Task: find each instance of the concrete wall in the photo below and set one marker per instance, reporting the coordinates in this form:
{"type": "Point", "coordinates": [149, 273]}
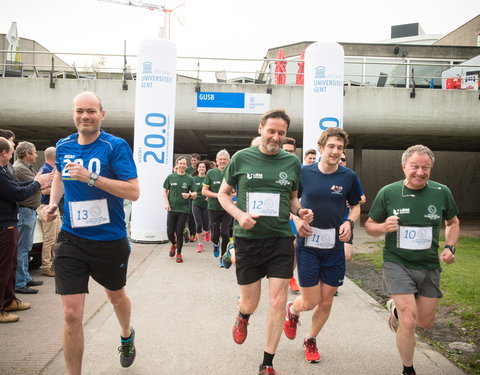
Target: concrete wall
{"type": "Point", "coordinates": [465, 35]}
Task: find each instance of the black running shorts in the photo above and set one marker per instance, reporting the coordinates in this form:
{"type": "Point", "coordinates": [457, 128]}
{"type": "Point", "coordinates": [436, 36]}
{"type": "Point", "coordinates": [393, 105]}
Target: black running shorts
{"type": "Point", "coordinates": [76, 259]}
{"type": "Point", "coordinates": [257, 258]}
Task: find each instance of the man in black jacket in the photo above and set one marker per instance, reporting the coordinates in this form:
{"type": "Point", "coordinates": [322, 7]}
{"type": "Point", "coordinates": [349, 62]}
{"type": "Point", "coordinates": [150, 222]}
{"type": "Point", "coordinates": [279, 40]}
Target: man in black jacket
{"type": "Point", "coordinates": [10, 193]}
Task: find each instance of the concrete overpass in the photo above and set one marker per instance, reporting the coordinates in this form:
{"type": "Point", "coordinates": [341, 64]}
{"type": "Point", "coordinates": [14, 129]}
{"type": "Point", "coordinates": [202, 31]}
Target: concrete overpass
{"type": "Point", "coordinates": [376, 118]}
{"type": "Point", "coordinates": [381, 122]}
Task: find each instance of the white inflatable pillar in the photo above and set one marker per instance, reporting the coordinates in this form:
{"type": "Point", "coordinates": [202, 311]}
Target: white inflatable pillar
{"type": "Point", "coordinates": [323, 91]}
{"type": "Point", "coordinates": [153, 139]}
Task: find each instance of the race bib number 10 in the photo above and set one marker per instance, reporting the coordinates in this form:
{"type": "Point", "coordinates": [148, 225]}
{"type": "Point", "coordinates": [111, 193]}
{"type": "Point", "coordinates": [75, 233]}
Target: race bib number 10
{"type": "Point", "coordinates": [414, 238]}
{"type": "Point", "coordinates": [89, 213]}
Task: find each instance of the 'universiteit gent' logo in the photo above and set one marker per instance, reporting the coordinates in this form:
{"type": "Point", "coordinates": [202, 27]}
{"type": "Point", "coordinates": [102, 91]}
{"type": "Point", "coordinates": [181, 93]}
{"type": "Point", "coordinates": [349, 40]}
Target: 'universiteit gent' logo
{"type": "Point", "coordinates": [320, 72]}
{"type": "Point", "coordinates": [147, 67]}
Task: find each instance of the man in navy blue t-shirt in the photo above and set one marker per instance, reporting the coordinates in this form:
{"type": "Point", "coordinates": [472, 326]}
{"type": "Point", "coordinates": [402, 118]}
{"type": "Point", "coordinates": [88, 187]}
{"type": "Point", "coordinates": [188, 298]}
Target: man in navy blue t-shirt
{"type": "Point", "coordinates": [326, 188]}
{"type": "Point", "coordinates": [95, 171]}
{"type": "Point", "coordinates": [50, 228]}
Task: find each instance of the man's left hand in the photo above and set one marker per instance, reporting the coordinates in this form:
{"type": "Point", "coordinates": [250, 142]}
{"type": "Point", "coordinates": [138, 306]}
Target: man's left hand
{"type": "Point", "coordinates": [345, 232]}
{"type": "Point", "coordinates": [78, 172]}
{"type": "Point", "coordinates": [447, 256]}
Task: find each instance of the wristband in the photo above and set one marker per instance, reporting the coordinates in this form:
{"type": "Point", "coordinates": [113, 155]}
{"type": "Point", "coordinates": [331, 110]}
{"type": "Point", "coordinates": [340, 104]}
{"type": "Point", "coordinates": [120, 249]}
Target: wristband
{"type": "Point", "coordinates": [298, 209]}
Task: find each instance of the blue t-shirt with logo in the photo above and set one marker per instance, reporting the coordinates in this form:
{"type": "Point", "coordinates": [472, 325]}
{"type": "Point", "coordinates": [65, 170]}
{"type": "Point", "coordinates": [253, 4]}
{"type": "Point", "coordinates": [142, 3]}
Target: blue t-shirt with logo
{"type": "Point", "coordinates": [326, 195]}
{"type": "Point", "coordinates": [110, 157]}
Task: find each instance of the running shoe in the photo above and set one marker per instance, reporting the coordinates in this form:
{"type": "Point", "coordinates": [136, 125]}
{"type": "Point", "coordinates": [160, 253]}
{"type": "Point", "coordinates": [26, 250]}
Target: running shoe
{"type": "Point", "coordinates": [227, 257]}
{"type": "Point", "coordinates": [207, 236]}
{"type": "Point", "coordinates": [127, 350]}
{"type": "Point", "coordinates": [392, 319]}
{"type": "Point", "coordinates": [186, 238]}
{"type": "Point", "coordinates": [294, 286]}
{"type": "Point", "coordinates": [239, 330]}
{"type": "Point", "coordinates": [172, 251]}
{"type": "Point", "coordinates": [311, 352]}
{"type": "Point", "coordinates": [200, 248]}
{"type": "Point", "coordinates": [179, 258]}
{"type": "Point", "coordinates": [266, 370]}
{"type": "Point", "coordinates": [192, 238]}
{"type": "Point", "coordinates": [291, 322]}
{"type": "Point", "coordinates": [220, 263]}
{"type": "Point", "coordinates": [216, 250]}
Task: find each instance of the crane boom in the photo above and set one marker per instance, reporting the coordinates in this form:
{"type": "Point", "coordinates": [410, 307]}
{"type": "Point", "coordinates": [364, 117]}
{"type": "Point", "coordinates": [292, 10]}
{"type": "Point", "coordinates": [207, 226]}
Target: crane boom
{"type": "Point", "coordinates": [140, 4]}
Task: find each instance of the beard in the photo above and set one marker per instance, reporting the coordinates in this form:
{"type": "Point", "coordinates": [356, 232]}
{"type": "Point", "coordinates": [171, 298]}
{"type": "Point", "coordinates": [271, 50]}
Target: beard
{"type": "Point", "coordinates": [272, 146]}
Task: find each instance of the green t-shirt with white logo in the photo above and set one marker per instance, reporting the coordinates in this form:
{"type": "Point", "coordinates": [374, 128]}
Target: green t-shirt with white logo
{"type": "Point", "coordinates": [176, 185]}
{"type": "Point", "coordinates": [200, 201]}
{"type": "Point", "coordinates": [264, 183]}
{"type": "Point", "coordinates": [421, 213]}
{"type": "Point", "coordinates": [213, 180]}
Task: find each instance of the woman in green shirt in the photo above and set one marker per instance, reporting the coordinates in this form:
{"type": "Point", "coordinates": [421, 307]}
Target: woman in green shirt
{"type": "Point", "coordinates": [178, 188]}
{"type": "Point", "coordinates": [199, 206]}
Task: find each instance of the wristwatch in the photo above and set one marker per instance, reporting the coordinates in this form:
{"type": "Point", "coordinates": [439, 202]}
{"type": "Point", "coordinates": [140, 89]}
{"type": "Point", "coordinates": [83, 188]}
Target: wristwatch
{"type": "Point", "coordinates": [453, 249]}
{"type": "Point", "coordinates": [351, 223]}
{"type": "Point", "coordinates": [93, 178]}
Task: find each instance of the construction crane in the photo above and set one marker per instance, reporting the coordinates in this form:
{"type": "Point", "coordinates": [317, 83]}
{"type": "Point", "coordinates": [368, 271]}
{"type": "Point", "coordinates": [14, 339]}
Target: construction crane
{"type": "Point", "coordinates": [165, 31]}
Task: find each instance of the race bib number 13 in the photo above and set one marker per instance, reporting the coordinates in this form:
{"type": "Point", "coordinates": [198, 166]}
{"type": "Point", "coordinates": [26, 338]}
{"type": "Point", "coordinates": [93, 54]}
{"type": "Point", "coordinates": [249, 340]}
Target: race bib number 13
{"type": "Point", "coordinates": [89, 213]}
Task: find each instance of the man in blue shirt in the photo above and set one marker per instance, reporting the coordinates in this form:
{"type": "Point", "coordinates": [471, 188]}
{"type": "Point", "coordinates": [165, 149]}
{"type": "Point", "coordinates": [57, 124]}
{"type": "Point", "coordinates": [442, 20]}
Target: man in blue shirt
{"type": "Point", "coordinates": [95, 171]}
{"type": "Point", "coordinates": [326, 188]}
{"type": "Point", "coordinates": [50, 229]}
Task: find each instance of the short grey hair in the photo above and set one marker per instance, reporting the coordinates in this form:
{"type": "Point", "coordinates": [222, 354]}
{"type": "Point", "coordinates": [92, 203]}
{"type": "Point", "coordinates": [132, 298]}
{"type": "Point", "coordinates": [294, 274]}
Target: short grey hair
{"type": "Point", "coordinates": [417, 149]}
{"type": "Point", "coordinates": [24, 148]}
{"type": "Point", "coordinates": [50, 153]}
{"type": "Point", "coordinates": [223, 153]}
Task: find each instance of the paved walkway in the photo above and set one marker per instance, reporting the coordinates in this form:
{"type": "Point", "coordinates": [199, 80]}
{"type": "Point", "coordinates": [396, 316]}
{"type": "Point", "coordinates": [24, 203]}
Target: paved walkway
{"type": "Point", "coordinates": [183, 314]}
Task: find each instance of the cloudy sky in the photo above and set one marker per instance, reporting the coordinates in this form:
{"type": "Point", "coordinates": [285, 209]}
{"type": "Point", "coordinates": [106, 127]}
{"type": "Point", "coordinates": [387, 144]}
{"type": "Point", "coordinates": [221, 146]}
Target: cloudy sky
{"type": "Point", "coordinates": [225, 28]}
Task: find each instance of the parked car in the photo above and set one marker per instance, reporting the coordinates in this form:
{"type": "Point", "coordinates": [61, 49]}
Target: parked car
{"type": "Point", "coordinates": [35, 254]}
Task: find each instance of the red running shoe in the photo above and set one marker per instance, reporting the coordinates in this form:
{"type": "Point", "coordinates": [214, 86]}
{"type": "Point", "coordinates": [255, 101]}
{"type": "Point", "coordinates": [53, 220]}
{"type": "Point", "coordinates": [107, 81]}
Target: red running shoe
{"type": "Point", "coordinates": [207, 236]}
{"type": "Point", "coordinates": [179, 258]}
{"type": "Point", "coordinates": [239, 330]}
{"type": "Point", "coordinates": [266, 370]}
{"type": "Point", "coordinates": [291, 322]}
{"type": "Point", "coordinates": [294, 286]}
{"type": "Point", "coordinates": [311, 352]}
{"type": "Point", "coordinates": [171, 253]}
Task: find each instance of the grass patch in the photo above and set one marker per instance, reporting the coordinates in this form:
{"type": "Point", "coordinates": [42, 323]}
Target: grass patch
{"type": "Point", "coordinates": [460, 281]}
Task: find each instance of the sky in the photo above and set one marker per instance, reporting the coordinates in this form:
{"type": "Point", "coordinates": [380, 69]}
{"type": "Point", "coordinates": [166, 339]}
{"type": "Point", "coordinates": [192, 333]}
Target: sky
{"type": "Point", "coordinates": [224, 28]}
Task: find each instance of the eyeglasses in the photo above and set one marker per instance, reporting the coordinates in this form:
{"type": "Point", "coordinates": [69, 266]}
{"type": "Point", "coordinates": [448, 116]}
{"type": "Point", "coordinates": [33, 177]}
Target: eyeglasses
{"type": "Point", "coordinates": [343, 159]}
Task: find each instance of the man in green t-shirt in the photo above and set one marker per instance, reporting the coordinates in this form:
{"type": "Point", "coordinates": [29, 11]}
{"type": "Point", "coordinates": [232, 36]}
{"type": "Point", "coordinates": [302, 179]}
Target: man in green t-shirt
{"type": "Point", "coordinates": [410, 213]}
{"type": "Point", "coordinates": [220, 220]}
{"type": "Point", "coordinates": [266, 179]}
{"type": "Point", "coordinates": [178, 190]}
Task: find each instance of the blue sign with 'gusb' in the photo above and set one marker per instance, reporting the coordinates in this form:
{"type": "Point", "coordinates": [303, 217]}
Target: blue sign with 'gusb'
{"type": "Point", "coordinates": [220, 100]}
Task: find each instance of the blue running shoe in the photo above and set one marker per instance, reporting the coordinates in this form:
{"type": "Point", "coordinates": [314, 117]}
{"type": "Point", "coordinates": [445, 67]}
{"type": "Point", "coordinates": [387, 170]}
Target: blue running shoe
{"type": "Point", "coordinates": [216, 250]}
{"type": "Point", "coordinates": [227, 257]}
{"type": "Point", "coordinates": [220, 263]}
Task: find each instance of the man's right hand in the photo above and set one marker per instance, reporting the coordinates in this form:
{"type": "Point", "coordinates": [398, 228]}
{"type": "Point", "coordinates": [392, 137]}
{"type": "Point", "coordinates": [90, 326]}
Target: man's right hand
{"type": "Point", "coordinates": [246, 221]}
{"type": "Point", "coordinates": [45, 180]}
{"type": "Point", "coordinates": [49, 213]}
{"type": "Point", "coordinates": [391, 224]}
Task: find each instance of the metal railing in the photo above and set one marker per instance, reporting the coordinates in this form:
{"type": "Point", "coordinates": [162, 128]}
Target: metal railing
{"type": "Point", "coordinates": [214, 69]}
